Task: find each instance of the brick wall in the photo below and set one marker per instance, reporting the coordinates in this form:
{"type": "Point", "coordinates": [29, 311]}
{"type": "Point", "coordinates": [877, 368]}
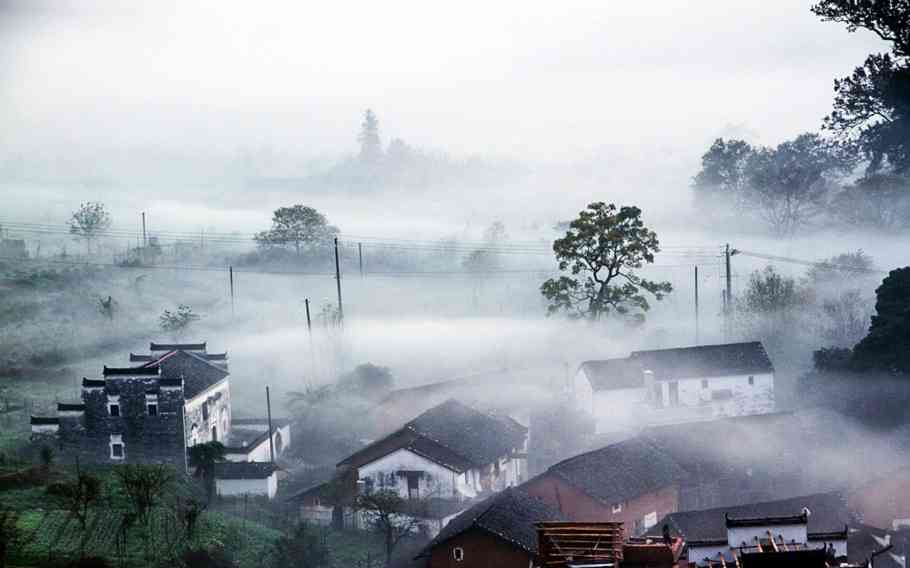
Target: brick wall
{"type": "Point", "coordinates": [147, 439]}
{"type": "Point", "coordinates": [481, 550]}
{"type": "Point", "coordinates": [579, 506]}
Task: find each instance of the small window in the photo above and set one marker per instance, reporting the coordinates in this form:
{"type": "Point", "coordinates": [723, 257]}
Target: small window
{"type": "Point", "coordinates": [751, 380]}
{"type": "Point", "coordinates": [458, 554]}
{"type": "Point", "coordinates": [113, 409]}
{"type": "Point", "coordinates": [205, 411]}
{"type": "Point", "coordinates": [704, 383]}
{"type": "Point", "coordinates": [153, 408]}
{"type": "Point", "coordinates": [617, 508]}
{"type": "Point", "coordinates": [118, 449]}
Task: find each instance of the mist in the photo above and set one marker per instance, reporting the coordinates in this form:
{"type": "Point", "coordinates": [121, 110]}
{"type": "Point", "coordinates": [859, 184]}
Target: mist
{"type": "Point", "coordinates": [193, 126]}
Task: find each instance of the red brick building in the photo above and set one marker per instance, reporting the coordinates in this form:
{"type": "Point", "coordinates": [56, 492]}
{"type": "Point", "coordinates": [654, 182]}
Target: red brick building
{"type": "Point", "coordinates": [633, 482]}
{"type": "Point", "coordinates": [498, 532]}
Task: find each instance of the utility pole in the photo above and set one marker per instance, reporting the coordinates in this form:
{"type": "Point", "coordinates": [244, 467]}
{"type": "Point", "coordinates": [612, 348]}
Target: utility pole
{"type": "Point", "coordinates": [268, 406]}
{"type": "Point", "coordinates": [309, 323]}
{"type": "Point", "coordinates": [696, 305]}
{"type": "Point", "coordinates": [728, 302]}
{"type": "Point", "coordinates": [144, 237]}
{"type": "Point", "coordinates": [231, 278]}
{"type": "Point", "coordinates": [360, 257]}
{"type": "Point", "coordinates": [338, 283]}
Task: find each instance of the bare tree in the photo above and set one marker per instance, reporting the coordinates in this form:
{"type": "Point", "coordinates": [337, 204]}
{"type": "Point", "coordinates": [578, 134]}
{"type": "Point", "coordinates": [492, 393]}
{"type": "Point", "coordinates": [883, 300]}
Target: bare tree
{"type": "Point", "coordinates": [391, 516]}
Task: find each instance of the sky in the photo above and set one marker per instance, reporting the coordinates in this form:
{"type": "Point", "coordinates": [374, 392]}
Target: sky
{"type": "Point", "coordinates": [531, 80]}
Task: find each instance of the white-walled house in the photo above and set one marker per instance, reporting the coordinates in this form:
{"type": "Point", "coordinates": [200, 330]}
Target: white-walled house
{"type": "Point", "coordinates": [817, 521]}
{"type": "Point", "coordinates": [233, 479]}
{"type": "Point", "coordinates": [668, 386]}
{"type": "Point", "coordinates": [445, 457]}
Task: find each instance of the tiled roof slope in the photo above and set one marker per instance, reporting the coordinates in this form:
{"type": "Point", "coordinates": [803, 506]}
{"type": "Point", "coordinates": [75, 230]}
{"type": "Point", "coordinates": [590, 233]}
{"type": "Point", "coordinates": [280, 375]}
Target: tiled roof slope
{"type": "Point", "coordinates": [509, 515]}
{"type": "Point", "coordinates": [198, 374]}
{"type": "Point", "coordinates": [479, 437]}
{"type": "Point", "coordinates": [611, 374]}
{"type": "Point", "coordinates": [620, 471]}
{"type": "Point", "coordinates": [828, 513]}
{"type": "Point", "coordinates": [706, 360]}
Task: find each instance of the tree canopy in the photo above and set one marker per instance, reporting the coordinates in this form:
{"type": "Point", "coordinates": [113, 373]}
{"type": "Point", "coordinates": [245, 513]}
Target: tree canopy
{"type": "Point", "coordinates": [887, 345]}
{"type": "Point", "coordinates": [601, 250]}
{"type": "Point", "coordinates": [90, 221]}
{"type": "Point", "coordinates": [370, 142]}
{"type": "Point", "coordinates": [299, 226]}
{"type": "Point", "coordinates": [885, 18]}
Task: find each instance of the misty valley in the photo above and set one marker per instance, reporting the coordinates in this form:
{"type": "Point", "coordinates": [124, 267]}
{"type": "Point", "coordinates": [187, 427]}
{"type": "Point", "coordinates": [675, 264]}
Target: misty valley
{"type": "Point", "coordinates": [397, 286]}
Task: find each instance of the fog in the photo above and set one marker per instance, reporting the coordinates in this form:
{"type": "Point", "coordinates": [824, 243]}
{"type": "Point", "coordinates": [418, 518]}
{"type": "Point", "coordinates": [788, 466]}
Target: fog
{"type": "Point", "coordinates": [207, 117]}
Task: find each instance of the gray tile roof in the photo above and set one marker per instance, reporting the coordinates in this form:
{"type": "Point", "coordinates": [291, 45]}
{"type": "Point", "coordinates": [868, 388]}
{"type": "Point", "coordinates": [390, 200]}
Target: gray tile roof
{"type": "Point", "coordinates": [611, 374]}
{"type": "Point", "coordinates": [828, 513]}
{"type": "Point", "coordinates": [705, 360]}
{"type": "Point", "coordinates": [477, 436]}
{"type": "Point", "coordinates": [621, 471]}
{"type": "Point", "coordinates": [509, 515]}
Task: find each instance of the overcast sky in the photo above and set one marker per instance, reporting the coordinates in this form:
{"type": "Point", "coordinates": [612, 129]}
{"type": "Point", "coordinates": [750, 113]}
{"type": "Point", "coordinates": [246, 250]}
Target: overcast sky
{"type": "Point", "coordinates": [541, 80]}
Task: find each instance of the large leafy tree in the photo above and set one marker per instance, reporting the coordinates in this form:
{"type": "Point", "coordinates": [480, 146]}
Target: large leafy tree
{"type": "Point", "coordinates": [887, 345]}
{"type": "Point", "coordinates": [789, 184]}
{"type": "Point", "coordinates": [298, 226]}
{"type": "Point", "coordinates": [885, 18]}
{"type": "Point", "coordinates": [872, 112]}
{"type": "Point", "coordinates": [723, 170]}
{"type": "Point", "coordinates": [602, 250]}
{"type": "Point", "coordinates": [203, 458]}
{"type": "Point", "coordinates": [89, 222]}
{"type": "Point", "coordinates": [875, 201]}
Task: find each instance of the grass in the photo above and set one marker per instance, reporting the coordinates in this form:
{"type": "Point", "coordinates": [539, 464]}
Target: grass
{"type": "Point", "coordinates": [49, 533]}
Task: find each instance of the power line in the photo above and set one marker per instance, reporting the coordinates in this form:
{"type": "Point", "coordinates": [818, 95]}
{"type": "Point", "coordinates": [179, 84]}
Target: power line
{"type": "Point", "coordinates": [812, 263]}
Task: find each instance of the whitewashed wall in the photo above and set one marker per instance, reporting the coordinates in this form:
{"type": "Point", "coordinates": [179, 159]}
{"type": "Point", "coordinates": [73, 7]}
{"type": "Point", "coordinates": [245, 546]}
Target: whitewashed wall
{"type": "Point", "coordinates": [233, 487]}
{"type": "Point", "coordinates": [438, 481]}
{"type": "Point", "coordinates": [620, 409]}
{"type": "Point", "coordinates": [262, 452]}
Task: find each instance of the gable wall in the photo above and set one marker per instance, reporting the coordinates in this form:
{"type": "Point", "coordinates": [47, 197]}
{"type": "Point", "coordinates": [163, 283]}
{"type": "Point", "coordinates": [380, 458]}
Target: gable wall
{"type": "Point", "coordinates": [481, 550]}
{"type": "Point", "coordinates": [438, 481]}
{"type": "Point", "coordinates": [579, 506]}
{"type": "Point", "coordinates": [218, 401]}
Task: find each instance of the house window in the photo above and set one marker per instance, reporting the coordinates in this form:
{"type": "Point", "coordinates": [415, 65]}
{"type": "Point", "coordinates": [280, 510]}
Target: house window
{"type": "Point", "coordinates": [151, 404]}
{"type": "Point", "coordinates": [458, 554]}
{"type": "Point", "coordinates": [118, 449]}
{"type": "Point", "coordinates": [751, 380]}
{"type": "Point", "coordinates": [704, 383]}
{"type": "Point", "coordinates": [413, 484]}
{"type": "Point", "coordinates": [113, 405]}
{"type": "Point", "coordinates": [617, 508]}
{"type": "Point", "coordinates": [205, 411]}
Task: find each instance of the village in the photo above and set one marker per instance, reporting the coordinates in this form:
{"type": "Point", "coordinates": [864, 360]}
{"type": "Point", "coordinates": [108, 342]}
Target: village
{"type": "Point", "coordinates": [687, 464]}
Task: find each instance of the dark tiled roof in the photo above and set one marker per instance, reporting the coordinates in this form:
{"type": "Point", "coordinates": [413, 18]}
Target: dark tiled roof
{"type": "Point", "coordinates": [70, 407]}
{"type": "Point", "coordinates": [620, 471]}
{"type": "Point", "coordinates": [244, 470]}
{"type": "Point", "coordinates": [170, 382]}
{"type": "Point", "coordinates": [828, 513]}
{"type": "Point", "coordinates": [134, 358]}
{"type": "Point", "coordinates": [92, 383]}
{"type": "Point", "coordinates": [705, 360]}
{"type": "Point", "coordinates": [509, 515]}
{"type": "Point", "coordinates": [44, 420]}
{"type": "Point", "coordinates": [440, 454]}
{"type": "Point", "coordinates": [477, 436]}
{"type": "Point", "coordinates": [610, 374]}
{"type": "Point", "coordinates": [197, 373]}
{"type": "Point", "coordinates": [144, 371]}
{"type": "Point", "coordinates": [177, 346]}
{"type": "Point", "coordinates": [770, 521]}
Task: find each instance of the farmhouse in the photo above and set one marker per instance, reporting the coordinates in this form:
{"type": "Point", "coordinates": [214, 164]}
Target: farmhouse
{"type": "Point", "coordinates": [176, 397]}
{"type": "Point", "coordinates": [497, 532]}
{"type": "Point", "coordinates": [812, 522]}
{"type": "Point", "coordinates": [246, 478]}
{"type": "Point", "coordinates": [446, 456]}
{"type": "Point", "coordinates": [633, 482]}
{"type": "Point", "coordinates": [672, 386]}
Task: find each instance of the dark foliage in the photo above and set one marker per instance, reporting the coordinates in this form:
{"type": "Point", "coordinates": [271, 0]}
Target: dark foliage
{"type": "Point", "coordinates": [886, 18]}
{"type": "Point", "coordinates": [887, 346]}
{"type": "Point", "coordinates": [207, 558]}
{"type": "Point", "coordinates": [303, 547]}
{"type": "Point", "coordinates": [601, 250]}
